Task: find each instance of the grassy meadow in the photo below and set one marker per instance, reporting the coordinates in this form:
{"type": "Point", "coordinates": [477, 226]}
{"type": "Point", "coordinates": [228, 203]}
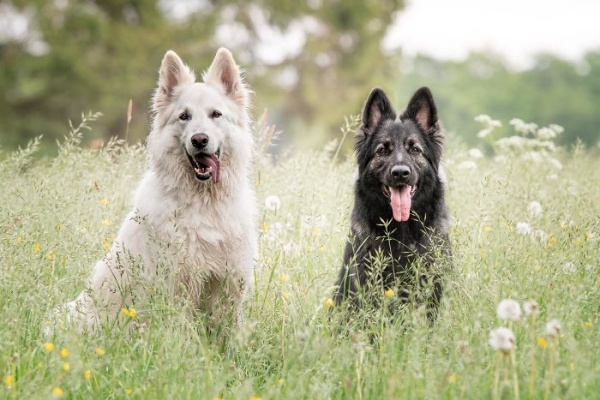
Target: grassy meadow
{"type": "Point", "coordinates": [526, 227]}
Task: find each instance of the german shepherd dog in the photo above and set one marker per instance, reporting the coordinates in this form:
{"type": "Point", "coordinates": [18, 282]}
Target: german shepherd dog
{"type": "Point", "coordinates": [399, 224]}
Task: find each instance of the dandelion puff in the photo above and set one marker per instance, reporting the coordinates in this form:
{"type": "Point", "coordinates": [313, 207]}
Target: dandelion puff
{"type": "Point", "coordinates": [502, 339]}
{"type": "Point", "coordinates": [509, 310]}
{"type": "Point", "coordinates": [553, 328]}
{"type": "Point", "coordinates": [272, 203]}
{"type": "Point", "coordinates": [531, 308]}
{"type": "Point", "coordinates": [523, 228]}
{"type": "Point", "coordinates": [534, 209]}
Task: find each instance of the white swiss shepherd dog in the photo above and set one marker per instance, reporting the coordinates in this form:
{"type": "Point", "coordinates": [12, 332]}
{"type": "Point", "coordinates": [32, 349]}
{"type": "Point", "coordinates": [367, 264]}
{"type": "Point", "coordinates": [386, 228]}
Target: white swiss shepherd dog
{"type": "Point", "coordinates": [193, 224]}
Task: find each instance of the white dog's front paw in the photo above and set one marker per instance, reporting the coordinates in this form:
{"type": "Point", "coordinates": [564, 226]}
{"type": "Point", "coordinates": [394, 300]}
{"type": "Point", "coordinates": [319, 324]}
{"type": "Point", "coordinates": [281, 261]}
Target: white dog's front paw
{"type": "Point", "coordinates": [72, 315]}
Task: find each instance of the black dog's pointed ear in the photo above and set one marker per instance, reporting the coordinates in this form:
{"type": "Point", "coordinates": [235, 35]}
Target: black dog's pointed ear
{"type": "Point", "coordinates": [376, 108]}
{"type": "Point", "coordinates": [421, 109]}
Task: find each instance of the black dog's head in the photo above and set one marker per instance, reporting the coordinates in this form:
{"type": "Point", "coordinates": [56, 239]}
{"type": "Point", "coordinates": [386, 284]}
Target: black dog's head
{"type": "Point", "coordinates": [398, 158]}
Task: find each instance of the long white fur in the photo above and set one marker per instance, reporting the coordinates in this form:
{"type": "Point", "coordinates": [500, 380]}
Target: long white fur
{"type": "Point", "coordinates": [197, 237]}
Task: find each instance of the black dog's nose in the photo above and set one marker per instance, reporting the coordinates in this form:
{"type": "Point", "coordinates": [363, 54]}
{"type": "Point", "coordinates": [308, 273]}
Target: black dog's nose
{"type": "Point", "coordinates": [400, 172]}
{"type": "Point", "coordinates": [199, 140]}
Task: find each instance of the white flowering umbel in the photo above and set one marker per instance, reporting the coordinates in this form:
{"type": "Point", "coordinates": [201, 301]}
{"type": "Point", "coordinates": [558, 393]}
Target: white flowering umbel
{"type": "Point", "coordinates": [489, 125]}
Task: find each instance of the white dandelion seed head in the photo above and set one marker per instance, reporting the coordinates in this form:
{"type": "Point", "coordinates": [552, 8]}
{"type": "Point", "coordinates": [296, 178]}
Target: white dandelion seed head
{"type": "Point", "coordinates": [475, 153]}
{"type": "Point", "coordinates": [540, 236]}
{"type": "Point", "coordinates": [531, 308]}
{"type": "Point", "coordinates": [553, 328]}
{"type": "Point", "coordinates": [509, 310]}
{"type": "Point", "coordinates": [534, 208]}
{"type": "Point", "coordinates": [272, 203]}
{"type": "Point", "coordinates": [523, 228]}
{"type": "Point", "coordinates": [502, 339]}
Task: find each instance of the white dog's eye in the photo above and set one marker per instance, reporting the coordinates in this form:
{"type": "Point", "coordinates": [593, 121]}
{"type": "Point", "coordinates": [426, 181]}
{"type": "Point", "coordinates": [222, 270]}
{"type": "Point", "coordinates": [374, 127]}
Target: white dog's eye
{"type": "Point", "coordinates": [215, 114]}
{"type": "Point", "coordinates": [184, 116]}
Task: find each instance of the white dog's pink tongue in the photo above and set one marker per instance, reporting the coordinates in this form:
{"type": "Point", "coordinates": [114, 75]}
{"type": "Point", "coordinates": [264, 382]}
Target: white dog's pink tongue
{"type": "Point", "coordinates": [400, 201]}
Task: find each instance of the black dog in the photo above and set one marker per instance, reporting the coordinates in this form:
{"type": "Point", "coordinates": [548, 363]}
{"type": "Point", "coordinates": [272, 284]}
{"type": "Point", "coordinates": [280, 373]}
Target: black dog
{"type": "Point", "coordinates": [399, 228]}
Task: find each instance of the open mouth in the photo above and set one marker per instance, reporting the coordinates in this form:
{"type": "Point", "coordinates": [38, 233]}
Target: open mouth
{"type": "Point", "coordinates": [206, 166]}
{"type": "Point", "coordinates": [400, 200]}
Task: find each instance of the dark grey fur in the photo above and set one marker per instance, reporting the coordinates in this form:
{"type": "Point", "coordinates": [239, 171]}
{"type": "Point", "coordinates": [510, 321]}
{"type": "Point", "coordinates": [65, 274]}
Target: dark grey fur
{"type": "Point", "coordinates": [382, 253]}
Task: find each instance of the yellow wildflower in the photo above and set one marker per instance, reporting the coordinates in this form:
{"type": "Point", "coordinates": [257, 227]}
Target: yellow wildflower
{"type": "Point", "coordinates": [323, 249]}
{"type": "Point", "coordinates": [50, 255]}
{"type": "Point", "coordinates": [128, 391]}
{"type": "Point", "coordinates": [284, 278]}
{"type": "Point", "coordinates": [329, 303]}
{"type": "Point", "coordinates": [280, 382]}
{"type": "Point", "coordinates": [20, 239]}
{"type": "Point", "coordinates": [285, 295]}
{"type": "Point", "coordinates": [100, 351]}
{"type": "Point", "coordinates": [106, 222]}
{"type": "Point", "coordinates": [64, 352]}
{"type": "Point", "coordinates": [87, 375]}
{"type": "Point", "coordinates": [106, 243]}
{"type": "Point", "coordinates": [588, 324]}
{"type": "Point", "coordinates": [66, 366]}
{"type": "Point", "coordinates": [103, 202]}
{"type": "Point", "coordinates": [487, 228]}
{"type": "Point", "coordinates": [49, 347]}
{"type": "Point", "coordinates": [452, 378]}
{"type": "Point", "coordinates": [36, 248]}
{"type": "Point", "coordinates": [542, 342]}
{"type": "Point", "coordinates": [255, 398]}
{"type": "Point", "coordinates": [265, 226]}
{"type": "Point", "coordinates": [9, 380]}
{"type": "Point", "coordinates": [130, 312]}
{"type": "Point", "coordinates": [389, 293]}
{"type": "Point", "coordinates": [58, 392]}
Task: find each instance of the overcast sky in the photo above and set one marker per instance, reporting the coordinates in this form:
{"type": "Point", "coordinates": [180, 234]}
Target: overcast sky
{"type": "Point", "coordinates": [449, 29]}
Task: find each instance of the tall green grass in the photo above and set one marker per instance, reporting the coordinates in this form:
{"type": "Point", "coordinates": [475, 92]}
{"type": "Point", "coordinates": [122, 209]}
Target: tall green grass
{"type": "Point", "coordinates": [59, 215]}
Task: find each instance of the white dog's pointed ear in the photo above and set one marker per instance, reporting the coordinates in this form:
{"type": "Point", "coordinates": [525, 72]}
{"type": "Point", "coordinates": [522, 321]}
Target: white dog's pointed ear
{"type": "Point", "coordinates": [224, 72]}
{"type": "Point", "coordinates": [173, 72]}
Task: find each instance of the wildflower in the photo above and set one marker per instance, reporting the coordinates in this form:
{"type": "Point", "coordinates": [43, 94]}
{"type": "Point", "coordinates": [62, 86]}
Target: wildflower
{"type": "Point", "coordinates": [509, 310]}
{"type": "Point", "coordinates": [130, 312]}
{"type": "Point", "coordinates": [272, 203]}
{"type": "Point", "coordinates": [284, 278]}
{"type": "Point", "coordinates": [87, 375]}
{"type": "Point", "coordinates": [103, 202]}
{"type": "Point", "coordinates": [49, 347]}
{"type": "Point", "coordinates": [128, 391]}
{"type": "Point", "coordinates": [20, 239]}
{"type": "Point", "coordinates": [487, 228]}
{"type": "Point", "coordinates": [389, 293]}
{"type": "Point", "coordinates": [58, 392]}
{"type": "Point", "coordinates": [555, 163]}
{"type": "Point", "coordinates": [531, 308]}
{"type": "Point", "coordinates": [285, 295]}
{"type": "Point", "coordinates": [523, 228]}
{"type": "Point", "coordinates": [543, 343]}
{"type": "Point", "coordinates": [66, 366]}
{"type": "Point", "coordinates": [534, 209]}
{"type": "Point", "coordinates": [280, 382]}
{"type": "Point", "coordinates": [569, 268]}
{"type": "Point", "coordinates": [502, 339]}
{"type": "Point", "coordinates": [106, 222]}
{"type": "Point", "coordinates": [106, 243]}
{"type": "Point", "coordinates": [100, 351]}
{"type": "Point", "coordinates": [588, 324]}
{"type": "Point", "coordinates": [9, 380]}
{"type": "Point", "coordinates": [465, 165]}
{"type": "Point", "coordinates": [50, 255]}
{"type": "Point", "coordinates": [36, 248]}
{"type": "Point", "coordinates": [64, 352]}
{"type": "Point", "coordinates": [452, 378]}
{"type": "Point", "coordinates": [255, 398]}
{"type": "Point", "coordinates": [553, 328]}
{"type": "Point", "coordinates": [265, 226]}
{"type": "Point", "coordinates": [475, 153]}
{"type": "Point", "coordinates": [546, 133]}
{"type": "Point", "coordinates": [329, 303]}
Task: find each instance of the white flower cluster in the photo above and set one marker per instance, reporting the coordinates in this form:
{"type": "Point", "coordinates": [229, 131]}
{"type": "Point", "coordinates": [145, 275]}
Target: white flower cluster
{"type": "Point", "coordinates": [489, 123]}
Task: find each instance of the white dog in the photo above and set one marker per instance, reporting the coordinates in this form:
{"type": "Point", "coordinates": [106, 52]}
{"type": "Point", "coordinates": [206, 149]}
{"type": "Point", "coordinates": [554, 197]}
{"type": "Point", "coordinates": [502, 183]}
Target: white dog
{"type": "Point", "coordinates": [193, 225]}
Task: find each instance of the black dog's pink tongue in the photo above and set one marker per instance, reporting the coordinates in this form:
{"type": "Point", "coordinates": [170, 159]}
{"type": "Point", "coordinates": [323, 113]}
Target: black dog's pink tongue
{"type": "Point", "coordinates": [400, 201]}
{"type": "Point", "coordinates": [211, 162]}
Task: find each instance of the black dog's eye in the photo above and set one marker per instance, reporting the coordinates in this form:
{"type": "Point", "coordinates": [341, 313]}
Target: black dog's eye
{"type": "Point", "coordinates": [415, 150]}
{"type": "Point", "coordinates": [383, 149]}
{"type": "Point", "coordinates": [184, 116]}
{"type": "Point", "coordinates": [216, 114]}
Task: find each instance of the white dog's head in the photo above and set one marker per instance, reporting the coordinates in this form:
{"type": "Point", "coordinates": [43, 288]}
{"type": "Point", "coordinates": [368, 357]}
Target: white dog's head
{"type": "Point", "coordinates": [200, 129]}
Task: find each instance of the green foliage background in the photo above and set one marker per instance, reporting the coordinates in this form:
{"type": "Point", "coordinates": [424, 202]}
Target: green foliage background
{"type": "Point", "coordinates": [98, 55]}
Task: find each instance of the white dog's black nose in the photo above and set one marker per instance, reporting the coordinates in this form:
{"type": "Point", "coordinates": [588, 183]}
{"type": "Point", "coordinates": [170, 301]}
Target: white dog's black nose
{"type": "Point", "coordinates": [199, 140]}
